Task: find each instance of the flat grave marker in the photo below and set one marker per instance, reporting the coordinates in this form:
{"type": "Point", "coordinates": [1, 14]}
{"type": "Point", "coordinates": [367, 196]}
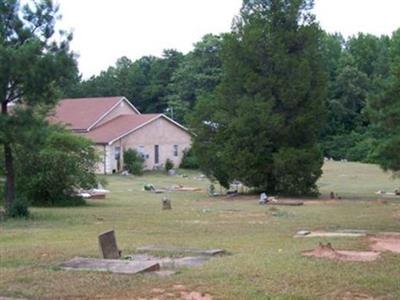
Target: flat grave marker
{"type": "Point", "coordinates": [110, 265]}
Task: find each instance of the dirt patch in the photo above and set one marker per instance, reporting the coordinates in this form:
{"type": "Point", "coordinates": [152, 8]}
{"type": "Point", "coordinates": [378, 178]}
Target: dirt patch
{"type": "Point", "coordinates": [328, 252]}
{"type": "Point", "coordinates": [385, 243]}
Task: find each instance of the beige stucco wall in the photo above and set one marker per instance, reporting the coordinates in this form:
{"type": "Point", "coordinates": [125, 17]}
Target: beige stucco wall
{"type": "Point", "coordinates": [162, 133]}
{"type": "Point", "coordinates": [122, 109]}
{"type": "Point", "coordinates": [103, 165]}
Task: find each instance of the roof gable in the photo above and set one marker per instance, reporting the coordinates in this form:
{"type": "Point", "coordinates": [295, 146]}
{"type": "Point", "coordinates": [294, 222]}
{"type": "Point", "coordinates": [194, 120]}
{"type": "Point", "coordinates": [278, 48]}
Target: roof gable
{"type": "Point", "coordinates": [118, 127]}
{"type": "Point", "coordinates": [124, 125]}
{"type": "Point", "coordinates": [82, 114]}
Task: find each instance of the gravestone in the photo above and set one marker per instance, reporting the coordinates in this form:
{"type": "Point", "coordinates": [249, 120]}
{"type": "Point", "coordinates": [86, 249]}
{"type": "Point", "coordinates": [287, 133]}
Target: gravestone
{"type": "Point", "coordinates": [166, 203]}
{"type": "Point", "coordinates": [108, 245]}
{"type": "Point", "coordinates": [263, 199]}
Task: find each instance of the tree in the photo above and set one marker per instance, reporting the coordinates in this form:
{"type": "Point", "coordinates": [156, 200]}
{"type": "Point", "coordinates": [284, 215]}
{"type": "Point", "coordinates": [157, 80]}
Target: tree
{"type": "Point", "coordinates": [349, 98]}
{"type": "Point", "coordinates": [386, 113]}
{"type": "Point", "coordinates": [358, 74]}
{"type": "Point", "coordinates": [262, 126]}
{"type": "Point", "coordinates": [52, 164]}
{"type": "Point", "coordinates": [32, 65]}
{"type": "Point", "coordinates": [200, 71]}
{"type": "Point", "coordinates": [145, 81]}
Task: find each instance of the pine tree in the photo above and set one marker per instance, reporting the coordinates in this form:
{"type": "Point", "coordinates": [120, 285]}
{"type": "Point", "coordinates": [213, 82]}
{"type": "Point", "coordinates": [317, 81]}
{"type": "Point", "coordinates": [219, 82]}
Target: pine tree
{"type": "Point", "coordinates": [32, 65]}
{"type": "Point", "coordinates": [262, 126]}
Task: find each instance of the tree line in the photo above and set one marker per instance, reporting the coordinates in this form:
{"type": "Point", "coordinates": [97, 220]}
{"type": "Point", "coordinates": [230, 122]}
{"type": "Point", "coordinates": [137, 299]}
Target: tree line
{"type": "Point", "coordinates": [357, 70]}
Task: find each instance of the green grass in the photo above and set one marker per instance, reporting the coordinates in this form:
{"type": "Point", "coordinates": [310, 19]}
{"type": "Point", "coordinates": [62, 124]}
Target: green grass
{"type": "Point", "coordinates": [265, 261]}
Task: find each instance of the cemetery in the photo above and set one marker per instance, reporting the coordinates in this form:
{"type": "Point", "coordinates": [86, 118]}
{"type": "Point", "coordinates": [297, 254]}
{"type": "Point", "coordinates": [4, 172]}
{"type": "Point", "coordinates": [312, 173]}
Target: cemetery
{"type": "Point", "coordinates": [210, 247]}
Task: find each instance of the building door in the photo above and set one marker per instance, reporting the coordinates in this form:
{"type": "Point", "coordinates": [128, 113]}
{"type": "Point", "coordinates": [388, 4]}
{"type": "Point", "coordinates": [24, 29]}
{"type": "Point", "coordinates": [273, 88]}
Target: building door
{"type": "Point", "coordinates": [117, 156]}
{"type": "Point", "coordinates": [156, 154]}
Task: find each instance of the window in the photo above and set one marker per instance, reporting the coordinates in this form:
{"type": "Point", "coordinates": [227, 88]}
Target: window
{"type": "Point", "coordinates": [117, 152]}
{"type": "Point", "coordinates": [156, 154]}
{"type": "Point", "coordinates": [142, 152]}
{"type": "Point", "coordinates": [175, 150]}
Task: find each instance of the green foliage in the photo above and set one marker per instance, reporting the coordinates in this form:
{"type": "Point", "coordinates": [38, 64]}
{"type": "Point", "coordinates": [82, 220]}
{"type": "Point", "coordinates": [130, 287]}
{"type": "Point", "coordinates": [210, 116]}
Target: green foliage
{"type": "Point", "coordinates": [296, 171]}
{"type": "Point", "coordinates": [19, 209]}
{"type": "Point", "coordinates": [169, 165]}
{"type": "Point", "coordinates": [170, 84]}
{"type": "Point", "coordinates": [269, 104]}
{"type": "Point", "coordinates": [49, 172]}
{"type": "Point", "coordinates": [386, 111]}
{"type": "Point", "coordinates": [358, 71]}
{"type": "Point", "coordinates": [353, 146]}
{"type": "Point", "coordinates": [198, 74]}
{"type": "Point", "coordinates": [134, 162]}
{"type": "Point", "coordinates": [145, 81]}
{"type": "Point", "coordinates": [189, 160]}
{"type": "Point", "coordinates": [358, 77]}
{"type": "Point", "coordinates": [33, 66]}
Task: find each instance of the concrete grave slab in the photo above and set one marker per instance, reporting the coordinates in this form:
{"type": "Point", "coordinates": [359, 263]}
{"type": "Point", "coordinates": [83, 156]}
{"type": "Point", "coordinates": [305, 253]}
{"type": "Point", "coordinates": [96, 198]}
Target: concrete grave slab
{"type": "Point", "coordinates": [330, 234]}
{"type": "Point", "coordinates": [285, 203]}
{"type": "Point", "coordinates": [172, 262]}
{"type": "Point", "coordinates": [110, 265]}
{"type": "Point", "coordinates": [108, 245]}
{"type": "Point", "coordinates": [171, 249]}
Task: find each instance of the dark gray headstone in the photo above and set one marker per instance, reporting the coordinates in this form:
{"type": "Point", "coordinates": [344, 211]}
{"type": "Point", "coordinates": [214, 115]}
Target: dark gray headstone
{"type": "Point", "coordinates": [108, 245]}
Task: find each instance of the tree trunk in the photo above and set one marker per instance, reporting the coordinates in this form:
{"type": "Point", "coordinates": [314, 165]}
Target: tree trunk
{"type": "Point", "coordinates": [9, 169]}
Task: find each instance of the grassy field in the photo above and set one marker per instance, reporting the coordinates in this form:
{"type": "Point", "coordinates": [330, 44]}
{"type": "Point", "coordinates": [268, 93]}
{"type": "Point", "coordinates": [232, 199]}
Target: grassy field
{"type": "Point", "coordinates": [265, 261]}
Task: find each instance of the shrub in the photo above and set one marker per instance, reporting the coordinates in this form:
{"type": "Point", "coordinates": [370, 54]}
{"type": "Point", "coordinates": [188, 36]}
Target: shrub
{"type": "Point", "coordinates": [189, 160]}
{"type": "Point", "coordinates": [50, 173]}
{"type": "Point", "coordinates": [169, 165]}
{"type": "Point", "coordinates": [19, 209]}
{"type": "Point", "coordinates": [133, 162]}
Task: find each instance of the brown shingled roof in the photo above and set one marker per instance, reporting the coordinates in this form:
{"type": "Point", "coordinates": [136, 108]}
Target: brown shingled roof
{"type": "Point", "coordinates": [80, 114]}
{"type": "Point", "coordinates": [118, 127]}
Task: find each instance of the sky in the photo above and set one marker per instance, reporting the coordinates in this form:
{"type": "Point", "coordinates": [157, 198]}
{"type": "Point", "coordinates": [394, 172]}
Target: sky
{"type": "Point", "coordinates": [106, 30]}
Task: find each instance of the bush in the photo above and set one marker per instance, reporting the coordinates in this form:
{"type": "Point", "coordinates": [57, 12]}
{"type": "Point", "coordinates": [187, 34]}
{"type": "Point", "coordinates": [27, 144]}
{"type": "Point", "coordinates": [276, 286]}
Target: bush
{"type": "Point", "coordinates": [51, 172]}
{"type": "Point", "coordinates": [189, 160]}
{"type": "Point", "coordinates": [19, 209]}
{"type": "Point", "coordinates": [169, 165]}
{"type": "Point", "coordinates": [133, 162]}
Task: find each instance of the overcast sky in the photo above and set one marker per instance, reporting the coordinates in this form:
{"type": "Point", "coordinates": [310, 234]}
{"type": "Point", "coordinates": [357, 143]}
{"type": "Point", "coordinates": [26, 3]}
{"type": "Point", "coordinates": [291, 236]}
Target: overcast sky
{"type": "Point", "coordinates": [105, 30]}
